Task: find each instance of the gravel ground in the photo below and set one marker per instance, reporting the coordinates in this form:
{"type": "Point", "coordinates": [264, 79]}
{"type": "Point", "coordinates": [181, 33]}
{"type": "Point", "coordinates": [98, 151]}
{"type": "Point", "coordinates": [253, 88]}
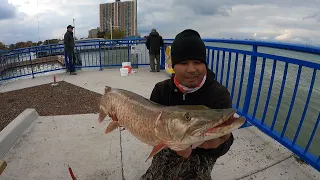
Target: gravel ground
{"type": "Point", "coordinates": [63, 99]}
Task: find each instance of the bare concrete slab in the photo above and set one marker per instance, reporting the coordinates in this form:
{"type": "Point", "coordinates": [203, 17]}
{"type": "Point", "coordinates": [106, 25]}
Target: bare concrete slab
{"type": "Point", "coordinates": [52, 143]}
{"type": "Point", "coordinates": [253, 152]}
{"type": "Point", "coordinates": [286, 170]}
{"type": "Point", "coordinates": [134, 155]}
{"type": "Point", "coordinates": [141, 82]}
{"type": "Point", "coordinates": [28, 81]}
{"type": "Point", "coordinates": [13, 131]}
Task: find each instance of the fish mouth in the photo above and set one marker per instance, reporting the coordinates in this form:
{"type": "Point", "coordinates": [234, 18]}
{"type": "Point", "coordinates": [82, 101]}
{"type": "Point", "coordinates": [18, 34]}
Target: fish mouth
{"type": "Point", "coordinates": [233, 121]}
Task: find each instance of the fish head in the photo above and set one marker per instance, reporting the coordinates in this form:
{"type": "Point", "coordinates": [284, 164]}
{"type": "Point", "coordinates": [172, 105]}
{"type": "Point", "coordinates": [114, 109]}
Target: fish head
{"type": "Point", "coordinates": [192, 126]}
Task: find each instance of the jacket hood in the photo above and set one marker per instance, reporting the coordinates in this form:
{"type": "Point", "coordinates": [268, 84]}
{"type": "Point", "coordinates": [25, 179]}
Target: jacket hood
{"type": "Point", "coordinates": [154, 34]}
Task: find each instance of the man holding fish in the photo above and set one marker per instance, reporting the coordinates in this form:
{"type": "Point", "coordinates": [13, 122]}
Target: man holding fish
{"type": "Point", "coordinates": [188, 119]}
{"type": "Point", "coordinates": [192, 84]}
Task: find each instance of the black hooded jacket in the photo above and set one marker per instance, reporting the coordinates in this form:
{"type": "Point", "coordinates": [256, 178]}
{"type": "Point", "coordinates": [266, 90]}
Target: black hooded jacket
{"type": "Point", "coordinates": [154, 42]}
{"type": "Point", "coordinates": [212, 94]}
{"type": "Point", "coordinates": [69, 41]}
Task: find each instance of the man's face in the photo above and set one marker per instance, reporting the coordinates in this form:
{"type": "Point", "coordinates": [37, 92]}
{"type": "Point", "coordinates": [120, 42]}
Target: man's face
{"type": "Point", "coordinates": [190, 72]}
{"type": "Point", "coordinates": [70, 29]}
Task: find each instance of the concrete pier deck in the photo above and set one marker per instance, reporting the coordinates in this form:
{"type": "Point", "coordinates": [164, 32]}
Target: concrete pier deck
{"type": "Point", "coordinates": [51, 143]}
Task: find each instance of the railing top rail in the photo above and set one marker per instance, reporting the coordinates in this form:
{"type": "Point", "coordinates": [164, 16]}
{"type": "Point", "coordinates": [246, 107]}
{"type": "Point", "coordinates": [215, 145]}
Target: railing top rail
{"type": "Point", "coordinates": [278, 45]}
{"type": "Point", "coordinates": [271, 56]}
{"type": "Point", "coordinates": [77, 42]}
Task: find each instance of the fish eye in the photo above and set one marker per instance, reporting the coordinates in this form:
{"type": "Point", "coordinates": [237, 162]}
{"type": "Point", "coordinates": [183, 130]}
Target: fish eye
{"type": "Point", "coordinates": [187, 116]}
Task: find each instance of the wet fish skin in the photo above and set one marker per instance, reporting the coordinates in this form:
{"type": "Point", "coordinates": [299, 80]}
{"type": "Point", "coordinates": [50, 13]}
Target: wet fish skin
{"type": "Point", "coordinates": [175, 127]}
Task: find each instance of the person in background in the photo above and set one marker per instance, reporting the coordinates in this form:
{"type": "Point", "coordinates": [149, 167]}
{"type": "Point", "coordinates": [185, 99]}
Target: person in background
{"type": "Point", "coordinates": [69, 49]}
{"type": "Point", "coordinates": [154, 44]}
{"type": "Point", "coordinates": [192, 84]}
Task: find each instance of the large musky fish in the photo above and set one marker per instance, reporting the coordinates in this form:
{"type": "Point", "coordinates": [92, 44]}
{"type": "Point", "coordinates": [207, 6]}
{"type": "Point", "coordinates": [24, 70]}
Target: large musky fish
{"type": "Point", "coordinates": [175, 127]}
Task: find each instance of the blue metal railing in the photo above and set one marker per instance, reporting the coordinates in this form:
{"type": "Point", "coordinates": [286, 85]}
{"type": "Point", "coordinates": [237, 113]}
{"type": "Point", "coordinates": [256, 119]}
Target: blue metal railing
{"type": "Point", "coordinates": [276, 86]}
{"type": "Point", "coordinates": [89, 54]}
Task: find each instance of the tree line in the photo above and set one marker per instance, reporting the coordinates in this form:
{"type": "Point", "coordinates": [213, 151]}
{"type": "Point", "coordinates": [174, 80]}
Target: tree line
{"type": "Point", "coordinates": [22, 44]}
{"type": "Point", "coordinates": [116, 34]}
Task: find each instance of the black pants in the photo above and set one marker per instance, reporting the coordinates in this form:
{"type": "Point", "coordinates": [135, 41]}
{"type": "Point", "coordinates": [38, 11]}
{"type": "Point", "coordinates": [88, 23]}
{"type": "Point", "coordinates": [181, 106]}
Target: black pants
{"type": "Point", "coordinates": [167, 165]}
{"type": "Point", "coordinates": [71, 61]}
{"type": "Point", "coordinates": [152, 63]}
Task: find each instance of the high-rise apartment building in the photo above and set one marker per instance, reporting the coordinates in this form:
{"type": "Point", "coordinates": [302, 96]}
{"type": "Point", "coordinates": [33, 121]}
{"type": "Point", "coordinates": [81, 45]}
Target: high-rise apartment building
{"type": "Point", "coordinates": [121, 15]}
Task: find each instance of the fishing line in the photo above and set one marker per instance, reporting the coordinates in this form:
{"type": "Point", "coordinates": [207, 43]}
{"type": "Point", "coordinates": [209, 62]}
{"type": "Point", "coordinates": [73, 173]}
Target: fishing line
{"type": "Point", "coordinates": [64, 154]}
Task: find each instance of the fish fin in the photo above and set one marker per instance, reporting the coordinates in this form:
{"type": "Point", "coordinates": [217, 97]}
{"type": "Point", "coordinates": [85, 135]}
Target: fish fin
{"type": "Point", "coordinates": [155, 150]}
{"type": "Point", "coordinates": [196, 144]}
{"type": "Point", "coordinates": [107, 89]}
{"type": "Point", "coordinates": [158, 122]}
{"type": "Point", "coordinates": [185, 153]}
{"type": "Point", "coordinates": [113, 116]}
{"type": "Point", "coordinates": [159, 116]}
{"type": "Point", "coordinates": [112, 126]}
{"type": "Point", "coordinates": [102, 115]}
{"type": "Point", "coordinates": [193, 107]}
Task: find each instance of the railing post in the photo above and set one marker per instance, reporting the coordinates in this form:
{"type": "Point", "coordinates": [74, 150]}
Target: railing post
{"type": "Point", "coordinates": [128, 51]}
{"type": "Point", "coordinates": [31, 63]}
{"type": "Point", "coordinates": [100, 58]}
{"type": "Point", "coordinates": [163, 58]}
{"type": "Point", "coordinates": [252, 72]}
{"type": "Point", "coordinates": [50, 49]}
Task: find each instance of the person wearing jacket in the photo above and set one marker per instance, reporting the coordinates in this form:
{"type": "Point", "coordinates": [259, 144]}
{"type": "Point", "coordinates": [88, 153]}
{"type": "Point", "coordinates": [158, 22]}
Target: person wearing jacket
{"type": "Point", "coordinates": [192, 84]}
{"type": "Point", "coordinates": [154, 43]}
{"type": "Point", "coordinates": [69, 49]}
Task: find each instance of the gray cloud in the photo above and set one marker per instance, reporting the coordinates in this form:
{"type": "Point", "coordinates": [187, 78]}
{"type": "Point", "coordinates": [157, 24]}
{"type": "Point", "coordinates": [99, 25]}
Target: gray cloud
{"type": "Point", "coordinates": [7, 11]}
{"type": "Point", "coordinates": [268, 20]}
{"type": "Point", "coordinates": [315, 16]}
{"type": "Point", "coordinates": [206, 7]}
{"type": "Point", "coordinates": [285, 20]}
{"type": "Point", "coordinates": [224, 8]}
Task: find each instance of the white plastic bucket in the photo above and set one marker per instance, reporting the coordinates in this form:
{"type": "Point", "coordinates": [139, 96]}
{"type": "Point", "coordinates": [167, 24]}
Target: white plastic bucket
{"type": "Point", "coordinates": [126, 64]}
{"type": "Point", "coordinates": [124, 71]}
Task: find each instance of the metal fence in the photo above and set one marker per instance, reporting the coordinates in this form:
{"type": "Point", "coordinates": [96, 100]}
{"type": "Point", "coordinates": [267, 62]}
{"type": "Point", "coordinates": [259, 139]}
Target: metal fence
{"type": "Point", "coordinates": [276, 86]}
{"type": "Point", "coordinates": [89, 54]}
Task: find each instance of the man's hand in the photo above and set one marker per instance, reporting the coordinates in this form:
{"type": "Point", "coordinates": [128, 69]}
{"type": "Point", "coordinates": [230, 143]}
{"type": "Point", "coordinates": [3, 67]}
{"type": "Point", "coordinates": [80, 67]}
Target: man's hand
{"type": "Point", "coordinates": [214, 143]}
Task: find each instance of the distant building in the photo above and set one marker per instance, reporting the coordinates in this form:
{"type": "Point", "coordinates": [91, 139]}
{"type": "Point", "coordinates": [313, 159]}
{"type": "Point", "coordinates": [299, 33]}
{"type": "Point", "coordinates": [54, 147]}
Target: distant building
{"type": "Point", "coordinates": [121, 14]}
{"type": "Point", "coordinates": [93, 33]}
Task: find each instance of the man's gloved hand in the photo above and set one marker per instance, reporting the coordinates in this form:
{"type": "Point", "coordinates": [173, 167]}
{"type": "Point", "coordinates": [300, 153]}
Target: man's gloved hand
{"type": "Point", "coordinates": [210, 144]}
{"type": "Point", "coordinates": [214, 143]}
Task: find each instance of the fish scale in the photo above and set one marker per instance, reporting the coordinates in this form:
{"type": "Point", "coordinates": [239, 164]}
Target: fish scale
{"type": "Point", "coordinates": [174, 127]}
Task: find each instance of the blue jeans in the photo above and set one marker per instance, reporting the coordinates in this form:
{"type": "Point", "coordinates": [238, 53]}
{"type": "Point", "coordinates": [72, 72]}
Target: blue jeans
{"type": "Point", "coordinates": [71, 61]}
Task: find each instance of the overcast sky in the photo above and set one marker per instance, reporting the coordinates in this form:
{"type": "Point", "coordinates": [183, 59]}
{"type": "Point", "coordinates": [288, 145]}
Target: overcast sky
{"type": "Point", "coordinates": [283, 20]}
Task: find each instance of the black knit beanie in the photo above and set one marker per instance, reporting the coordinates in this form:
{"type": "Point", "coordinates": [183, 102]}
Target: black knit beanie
{"type": "Point", "coordinates": [188, 45]}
